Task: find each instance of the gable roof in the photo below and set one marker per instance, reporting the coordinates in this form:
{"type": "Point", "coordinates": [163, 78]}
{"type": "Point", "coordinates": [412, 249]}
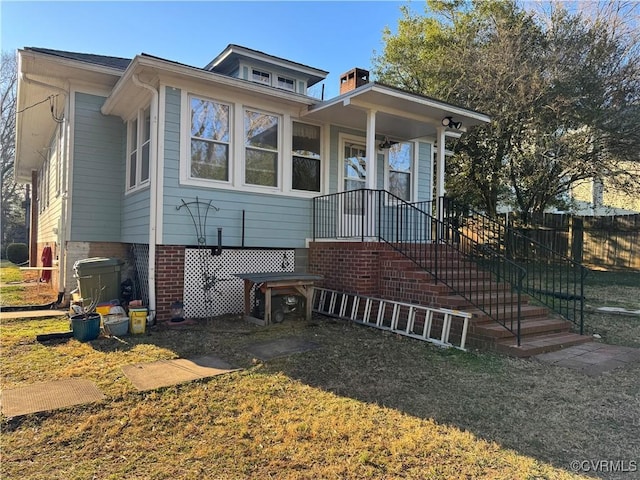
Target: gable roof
{"type": "Point", "coordinates": [103, 60]}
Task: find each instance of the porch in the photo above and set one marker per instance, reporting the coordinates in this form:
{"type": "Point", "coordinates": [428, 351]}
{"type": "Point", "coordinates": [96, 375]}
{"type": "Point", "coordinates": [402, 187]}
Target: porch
{"type": "Point", "coordinates": [524, 298]}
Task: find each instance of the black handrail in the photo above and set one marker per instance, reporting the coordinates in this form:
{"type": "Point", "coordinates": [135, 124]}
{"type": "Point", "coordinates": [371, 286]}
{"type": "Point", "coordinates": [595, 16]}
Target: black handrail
{"type": "Point", "coordinates": [436, 246]}
{"type": "Point", "coordinates": [552, 278]}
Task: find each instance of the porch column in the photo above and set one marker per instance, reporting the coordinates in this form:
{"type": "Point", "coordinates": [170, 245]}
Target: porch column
{"type": "Point", "coordinates": [440, 161]}
{"type": "Point", "coordinates": [372, 151]}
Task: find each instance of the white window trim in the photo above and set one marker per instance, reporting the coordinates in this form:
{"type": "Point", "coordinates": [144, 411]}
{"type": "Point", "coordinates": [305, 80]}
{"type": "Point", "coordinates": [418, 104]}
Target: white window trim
{"type": "Point", "coordinates": [293, 81]}
{"type": "Point", "coordinates": [413, 173]}
{"type": "Point", "coordinates": [322, 161]}
{"type": "Point", "coordinates": [265, 77]}
{"type": "Point", "coordinates": [185, 148]}
{"type": "Point", "coordinates": [342, 140]}
{"type": "Point", "coordinates": [139, 185]}
{"type": "Point", "coordinates": [237, 151]}
{"type": "Point", "coordinates": [278, 187]}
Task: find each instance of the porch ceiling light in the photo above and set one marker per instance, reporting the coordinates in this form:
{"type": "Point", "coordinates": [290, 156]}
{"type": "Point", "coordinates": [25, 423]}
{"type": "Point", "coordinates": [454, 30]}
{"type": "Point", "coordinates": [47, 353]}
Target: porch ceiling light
{"type": "Point", "coordinates": [386, 144]}
{"type": "Point", "coordinates": [448, 122]}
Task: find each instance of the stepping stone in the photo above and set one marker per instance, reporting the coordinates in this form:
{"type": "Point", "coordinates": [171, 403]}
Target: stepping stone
{"type": "Point", "coordinates": [46, 396]}
{"type": "Point", "coordinates": [163, 373]}
{"type": "Point", "coordinates": [280, 347]}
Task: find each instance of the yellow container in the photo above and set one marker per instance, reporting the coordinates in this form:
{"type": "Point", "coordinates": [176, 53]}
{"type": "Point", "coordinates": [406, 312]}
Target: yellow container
{"type": "Point", "coordinates": [103, 309]}
{"type": "Point", "coordinates": [138, 320]}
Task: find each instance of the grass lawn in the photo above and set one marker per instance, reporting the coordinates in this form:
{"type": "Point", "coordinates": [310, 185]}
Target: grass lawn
{"type": "Point", "coordinates": [365, 404]}
{"type": "Point", "coordinates": [613, 289]}
{"type": "Point", "coordinates": [21, 287]}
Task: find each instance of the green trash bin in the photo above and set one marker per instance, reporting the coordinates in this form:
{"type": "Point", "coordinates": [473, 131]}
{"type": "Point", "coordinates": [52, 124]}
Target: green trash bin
{"type": "Point", "coordinates": [98, 278]}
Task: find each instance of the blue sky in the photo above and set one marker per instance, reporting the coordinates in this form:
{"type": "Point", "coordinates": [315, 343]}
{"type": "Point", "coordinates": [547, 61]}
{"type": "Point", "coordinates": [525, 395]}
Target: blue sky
{"type": "Point", "coordinates": [330, 35]}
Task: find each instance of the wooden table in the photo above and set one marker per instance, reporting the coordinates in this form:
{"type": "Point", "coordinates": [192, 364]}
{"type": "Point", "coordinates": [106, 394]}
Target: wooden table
{"type": "Point", "coordinates": [301, 283]}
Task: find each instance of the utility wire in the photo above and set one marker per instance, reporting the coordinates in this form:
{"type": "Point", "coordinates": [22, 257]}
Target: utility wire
{"type": "Point", "coordinates": [48, 99]}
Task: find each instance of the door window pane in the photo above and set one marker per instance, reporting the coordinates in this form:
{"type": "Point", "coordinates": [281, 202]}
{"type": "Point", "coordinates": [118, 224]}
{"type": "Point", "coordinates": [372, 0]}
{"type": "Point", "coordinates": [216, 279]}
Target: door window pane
{"type": "Point", "coordinates": [400, 163]}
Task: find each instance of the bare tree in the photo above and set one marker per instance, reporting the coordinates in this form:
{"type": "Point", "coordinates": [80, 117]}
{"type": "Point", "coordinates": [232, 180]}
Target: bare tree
{"type": "Point", "coordinates": [11, 212]}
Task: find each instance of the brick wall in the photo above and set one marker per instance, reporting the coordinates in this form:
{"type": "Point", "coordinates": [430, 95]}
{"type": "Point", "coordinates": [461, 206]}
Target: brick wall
{"type": "Point", "coordinates": [351, 267]}
{"type": "Point", "coordinates": [169, 279]}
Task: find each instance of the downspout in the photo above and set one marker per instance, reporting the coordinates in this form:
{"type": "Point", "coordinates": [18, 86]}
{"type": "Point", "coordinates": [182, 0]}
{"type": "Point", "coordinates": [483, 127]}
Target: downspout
{"type": "Point", "coordinates": [153, 193]}
{"type": "Point", "coordinates": [63, 195]}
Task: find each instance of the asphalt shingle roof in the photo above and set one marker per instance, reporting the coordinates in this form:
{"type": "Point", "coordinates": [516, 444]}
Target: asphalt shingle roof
{"type": "Point", "coordinates": [105, 61]}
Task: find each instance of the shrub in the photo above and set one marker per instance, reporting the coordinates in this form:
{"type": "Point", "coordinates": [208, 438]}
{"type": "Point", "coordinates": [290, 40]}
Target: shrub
{"type": "Point", "coordinates": [17, 253]}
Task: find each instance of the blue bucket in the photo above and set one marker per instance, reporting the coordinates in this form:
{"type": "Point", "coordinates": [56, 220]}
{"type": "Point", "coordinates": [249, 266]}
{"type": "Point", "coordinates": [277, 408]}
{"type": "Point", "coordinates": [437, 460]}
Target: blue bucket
{"type": "Point", "coordinates": [86, 327]}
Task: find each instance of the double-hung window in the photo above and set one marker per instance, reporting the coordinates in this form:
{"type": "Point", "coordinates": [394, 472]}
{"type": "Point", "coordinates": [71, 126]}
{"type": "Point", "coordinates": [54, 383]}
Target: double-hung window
{"type": "Point", "coordinates": [306, 157]}
{"type": "Point", "coordinates": [261, 141]}
{"type": "Point", "coordinates": [400, 166]}
{"type": "Point", "coordinates": [210, 139]}
{"type": "Point", "coordinates": [139, 146]}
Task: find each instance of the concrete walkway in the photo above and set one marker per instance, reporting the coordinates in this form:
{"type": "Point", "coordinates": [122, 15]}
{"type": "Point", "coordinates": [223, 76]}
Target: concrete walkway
{"type": "Point", "coordinates": [32, 314]}
{"type": "Point", "coordinates": [592, 359]}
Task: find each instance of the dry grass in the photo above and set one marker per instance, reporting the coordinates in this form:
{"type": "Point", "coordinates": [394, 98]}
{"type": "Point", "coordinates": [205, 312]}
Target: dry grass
{"type": "Point", "coordinates": [365, 404]}
{"type": "Point", "coordinates": [613, 289]}
{"type": "Point", "coordinates": [21, 287]}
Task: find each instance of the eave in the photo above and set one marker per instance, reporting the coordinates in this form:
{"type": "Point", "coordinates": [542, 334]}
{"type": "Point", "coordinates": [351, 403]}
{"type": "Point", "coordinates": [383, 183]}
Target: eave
{"type": "Point", "coordinates": [150, 69]}
{"type": "Point", "coordinates": [40, 76]}
{"type": "Point", "coordinates": [400, 115]}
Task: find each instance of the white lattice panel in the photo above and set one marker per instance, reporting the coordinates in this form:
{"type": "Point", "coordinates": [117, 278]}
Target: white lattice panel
{"type": "Point", "coordinates": [226, 292]}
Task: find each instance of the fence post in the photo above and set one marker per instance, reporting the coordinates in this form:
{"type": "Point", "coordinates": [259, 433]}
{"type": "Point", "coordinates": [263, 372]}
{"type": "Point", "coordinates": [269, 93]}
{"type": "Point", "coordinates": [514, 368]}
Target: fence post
{"type": "Point", "coordinates": [576, 233]}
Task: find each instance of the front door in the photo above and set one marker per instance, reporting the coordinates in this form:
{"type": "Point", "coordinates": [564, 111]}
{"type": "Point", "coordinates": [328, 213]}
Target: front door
{"type": "Point", "coordinates": [356, 205]}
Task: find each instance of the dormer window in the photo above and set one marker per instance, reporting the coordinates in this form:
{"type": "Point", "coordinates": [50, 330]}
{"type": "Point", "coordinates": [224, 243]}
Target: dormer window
{"type": "Point", "coordinates": [286, 83]}
{"type": "Point", "coordinates": [261, 77]}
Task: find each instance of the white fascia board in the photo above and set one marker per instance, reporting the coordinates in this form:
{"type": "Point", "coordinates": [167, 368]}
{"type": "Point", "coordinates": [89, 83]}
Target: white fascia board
{"type": "Point", "coordinates": [345, 98]}
{"type": "Point", "coordinates": [481, 117]}
{"type": "Point", "coordinates": [68, 63]}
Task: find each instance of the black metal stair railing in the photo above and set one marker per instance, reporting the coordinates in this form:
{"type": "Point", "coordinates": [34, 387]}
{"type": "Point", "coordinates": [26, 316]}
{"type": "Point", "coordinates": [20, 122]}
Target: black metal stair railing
{"type": "Point", "coordinates": [491, 283]}
{"type": "Point", "coordinates": [552, 279]}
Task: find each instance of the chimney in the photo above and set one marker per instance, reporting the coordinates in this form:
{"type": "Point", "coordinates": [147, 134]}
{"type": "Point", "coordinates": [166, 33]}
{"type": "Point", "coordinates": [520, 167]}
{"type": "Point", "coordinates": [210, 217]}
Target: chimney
{"type": "Point", "coordinates": [353, 79]}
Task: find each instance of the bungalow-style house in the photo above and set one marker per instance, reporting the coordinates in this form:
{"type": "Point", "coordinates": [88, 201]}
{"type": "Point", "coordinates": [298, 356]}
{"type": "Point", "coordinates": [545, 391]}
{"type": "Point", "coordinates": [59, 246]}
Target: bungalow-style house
{"type": "Point", "coordinates": [193, 174]}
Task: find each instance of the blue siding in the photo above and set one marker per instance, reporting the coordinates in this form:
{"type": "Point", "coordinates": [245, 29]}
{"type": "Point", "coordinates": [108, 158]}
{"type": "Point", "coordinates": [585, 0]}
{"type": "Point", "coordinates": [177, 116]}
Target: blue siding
{"type": "Point", "coordinates": [425, 166]}
{"type": "Point", "coordinates": [135, 218]}
{"type": "Point", "coordinates": [98, 172]}
{"type": "Point", "coordinates": [270, 220]}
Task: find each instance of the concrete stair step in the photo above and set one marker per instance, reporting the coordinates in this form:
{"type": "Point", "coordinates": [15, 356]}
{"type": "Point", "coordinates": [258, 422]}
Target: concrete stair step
{"type": "Point", "coordinates": [542, 343]}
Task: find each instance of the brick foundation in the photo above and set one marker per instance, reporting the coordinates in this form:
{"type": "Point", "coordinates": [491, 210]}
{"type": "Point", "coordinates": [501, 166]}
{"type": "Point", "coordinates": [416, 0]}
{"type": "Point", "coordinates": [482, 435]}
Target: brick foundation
{"type": "Point", "coordinates": [350, 267]}
{"type": "Point", "coordinates": [169, 279]}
